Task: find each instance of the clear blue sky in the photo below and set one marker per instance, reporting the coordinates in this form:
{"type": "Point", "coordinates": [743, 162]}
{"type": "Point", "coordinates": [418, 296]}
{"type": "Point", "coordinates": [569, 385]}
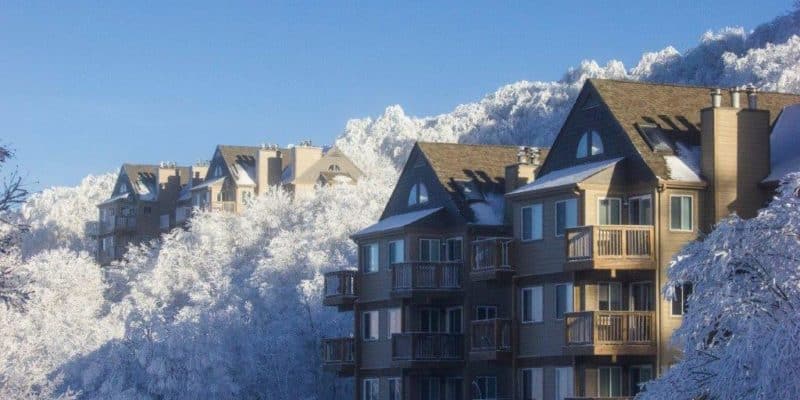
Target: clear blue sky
{"type": "Point", "coordinates": [87, 86]}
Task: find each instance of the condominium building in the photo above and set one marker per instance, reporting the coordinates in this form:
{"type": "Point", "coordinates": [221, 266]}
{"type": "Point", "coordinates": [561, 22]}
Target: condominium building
{"type": "Point", "coordinates": [559, 296]}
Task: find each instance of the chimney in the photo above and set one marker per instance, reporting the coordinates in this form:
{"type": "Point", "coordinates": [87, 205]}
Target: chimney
{"type": "Point", "coordinates": [524, 171]}
{"type": "Point", "coordinates": [716, 98]}
{"type": "Point", "coordinates": [735, 103]}
{"type": "Point", "coordinates": [199, 171]}
{"type": "Point", "coordinates": [165, 171]}
{"type": "Point", "coordinates": [752, 97]}
{"type": "Point", "coordinates": [302, 157]}
{"type": "Point", "coordinates": [735, 158]}
{"type": "Point", "coordinates": [268, 168]}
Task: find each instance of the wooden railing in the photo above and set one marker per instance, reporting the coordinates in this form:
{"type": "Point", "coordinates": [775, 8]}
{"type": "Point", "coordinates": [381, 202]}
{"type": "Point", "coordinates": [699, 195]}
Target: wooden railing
{"type": "Point", "coordinates": [491, 335]}
{"type": "Point", "coordinates": [340, 283]}
{"type": "Point", "coordinates": [338, 351]}
{"type": "Point", "coordinates": [491, 253]}
{"type": "Point", "coordinates": [425, 346]}
{"type": "Point", "coordinates": [610, 241]}
{"type": "Point", "coordinates": [117, 223]}
{"type": "Point", "coordinates": [420, 275]}
{"type": "Point", "coordinates": [610, 327]}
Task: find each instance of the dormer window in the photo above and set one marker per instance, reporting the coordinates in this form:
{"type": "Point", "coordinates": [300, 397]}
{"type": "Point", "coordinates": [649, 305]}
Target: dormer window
{"type": "Point", "coordinates": [123, 188]}
{"type": "Point", "coordinates": [418, 194]}
{"type": "Point", "coordinates": [334, 168]}
{"type": "Point", "coordinates": [217, 171]}
{"type": "Point", "coordinates": [590, 145]}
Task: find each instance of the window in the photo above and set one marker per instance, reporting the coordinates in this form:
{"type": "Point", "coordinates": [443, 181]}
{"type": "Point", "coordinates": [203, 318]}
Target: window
{"type": "Point", "coordinates": [369, 257]}
{"type": "Point", "coordinates": [454, 249]}
{"type": "Point", "coordinates": [395, 321]}
{"type": "Point", "coordinates": [680, 305]}
{"type": "Point", "coordinates": [429, 250]}
{"type": "Point", "coordinates": [369, 325]}
{"type": "Point", "coordinates": [531, 304]}
{"type": "Point", "coordinates": [429, 388]}
{"type": "Point", "coordinates": [217, 171]}
{"type": "Point", "coordinates": [454, 320]}
{"type": "Point", "coordinates": [485, 388]}
{"type": "Point", "coordinates": [246, 196]}
{"type": "Point", "coordinates": [370, 391]}
{"type": "Point", "coordinates": [639, 375]}
{"type": "Point", "coordinates": [123, 187]}
{"type": "Point", "coordinates": [532, 384]}
{"type": "Point", "coordinates": [454, 389]}
{"type": "Point", "coordinates": [609, 382]}
{"type": "Point", "coordinates": [418, 194]}
{"type": "Point", "coordinates": [563, 299]}
{"type": "Point", "coordinates": [590, 144]}
{"type": "Point", "coordinates": [334, 168]}
{"type": "Point", "coordinates": [219, 196]}
{"type": "Point", "coordinates": [564, 383]}
{"type": "Point", "coordinates": [609, 211]}
{"type": "Point", "coordinates": [680, 213]}
{"type": "Point", "coordinates": [642, 296]}
{"type": "Point", "coordinates": [532, 222]}
{"type": "Point", "coordinates": [609, 296]}
{"type": "Point", "coordinates": [566, 215]}
{"type": "Point", "coordinates": [397, 252]}
{"type": "Point", "coordinates": [395, 389]}
{"type": "Point", "coordinates": [163, 221]}
{"type": "Point", "coordinates": [640, 210]}
{"type": "Point", "coordinates": [485, 312]}
{"type": "Point", "coordinates": [429, 320]}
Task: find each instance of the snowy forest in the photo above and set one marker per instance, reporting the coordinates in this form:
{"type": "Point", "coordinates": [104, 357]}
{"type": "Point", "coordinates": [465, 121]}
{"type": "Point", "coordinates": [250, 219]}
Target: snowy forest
{"type": "Point", "coordinates": [232, 308]}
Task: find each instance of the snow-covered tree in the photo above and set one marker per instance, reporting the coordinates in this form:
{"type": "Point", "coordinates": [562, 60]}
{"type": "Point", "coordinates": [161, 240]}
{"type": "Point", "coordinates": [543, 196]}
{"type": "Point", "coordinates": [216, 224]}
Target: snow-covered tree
{"type": "Point", "coordinates": [740, 335]}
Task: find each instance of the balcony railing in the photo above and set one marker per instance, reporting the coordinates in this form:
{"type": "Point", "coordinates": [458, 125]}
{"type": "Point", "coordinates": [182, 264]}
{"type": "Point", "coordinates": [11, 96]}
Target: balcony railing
{"type": "Point", "coordinates": [227, 206]}
{"type": "Point", "coordinates": [491, 335]}
{"type": "Point", "coordinates": [610, 246]}
{"type": "Point", "coordinates": [425, 346]}
{"type": "Point", "coordinates": [490, 258]}
{"type": "Point", "coordinates": [338, 355]}
{"type": "Point", "coordinates": [117, 224]}
{"type": "Point", "coordinates": [340, 288]}
{"type": "Point", "coordinates": [616, 332]}
{"type": "Point", "coordinates": [426, 277]}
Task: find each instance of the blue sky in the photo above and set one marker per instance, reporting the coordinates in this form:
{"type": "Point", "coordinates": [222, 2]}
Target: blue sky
{"type": "Point", "coordinates": [85, 86]}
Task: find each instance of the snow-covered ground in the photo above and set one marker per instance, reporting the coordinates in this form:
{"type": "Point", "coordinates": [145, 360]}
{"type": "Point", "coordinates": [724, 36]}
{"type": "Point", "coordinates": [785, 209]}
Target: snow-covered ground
{"type": "Point", "coordinates": [231, 308]}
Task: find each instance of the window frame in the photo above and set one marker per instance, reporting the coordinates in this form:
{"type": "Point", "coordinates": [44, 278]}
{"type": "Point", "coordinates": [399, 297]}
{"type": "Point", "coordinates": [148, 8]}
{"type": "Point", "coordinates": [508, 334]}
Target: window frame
{"type": "Point", "coordinates": [571, 387]}
{"type": "Point", "coordinates": [399, 381]}
{"type": "Point", "coordinates": [402, 253]}
{"type": "Point", "coordinates": [485, 308]}
{"type": "Point", "coordinates": [447, 242]}
{"type": "Point", "coordinates": [566, 223]}
{"type": "Point", "coordinates": [377, 267]}
{"type": "Point", "coordinates": [532, 207]}
{"type": "Point", "coordinates": [537, 392]}
{"type": "Point", "coordinates": [683, 297]}
{"type": "Point", "coordinates": [631, 297]}
{"type": "Point", "coordinates": [639, 198]}
{"type": "Point", "coordinates": [486, 380]}
{"type": "Point", "coordinates": [531, 304]}
{"type": "Point", "coordinates": [630, 376]}
{"type": "Point", "coordinates": [691, 210]}
{"type": "Point", "coordinates": [418, 194]}
{"type": "Point", "coordinates": [447, 321]}
{"type": "Point", "coordinates": [610, 376]}
{"type": "Point", "coordinates": [586, 144]}
{"type": "Point", "coordinates": [377, 334]}
{"type": "Point", "coordinates": [438, 249]}
{"type": "Point", "coordinates": [389, 316]}
{"type": "Point", "coordinates": [621, 296]}
{"type": "Point", "coordinates": [569, 300]}
{"type": "Point", "coordinates": [365, 394]}
{"type": "Point", "coordinates": [609, 199]}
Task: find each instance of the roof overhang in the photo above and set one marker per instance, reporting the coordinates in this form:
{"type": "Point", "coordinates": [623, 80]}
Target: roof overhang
{"type": "Point", "coordinates": [395, 223]}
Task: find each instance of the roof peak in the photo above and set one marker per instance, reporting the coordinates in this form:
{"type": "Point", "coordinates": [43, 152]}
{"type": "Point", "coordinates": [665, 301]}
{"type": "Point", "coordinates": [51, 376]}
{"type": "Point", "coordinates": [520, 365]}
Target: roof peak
{"type": "Point", "coordinates": [678, 85]}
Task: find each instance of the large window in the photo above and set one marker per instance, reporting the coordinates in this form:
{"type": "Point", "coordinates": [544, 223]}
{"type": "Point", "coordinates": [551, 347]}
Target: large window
{"type": "Point", "coordinates": [609, 211]}
{"type": "Point", "coordinates": [454, 320]}
{"type": "Point", "coordinates": [642, 296]}
{"type": "Point", "coordinates": [590, 144]}
{"type": "Point", "coordinates": [485, 388]}
{"type": "Point", "coordinates": [680, 305]}
{"type": "Point", "coordinates": [563, 299]}
{"type": "Point", "coordinates": [609, 296]}
{"type": "Point", "coordinates": [609, 382]}
{"type": "Point", "coordinates": [429, 388]}
{"type": "Point", "coordinates": [370, 389]}
{"type": "Point", "coordinates": [640, 210]}
{"type": "Point", "coordinates": [639, 375]}
{"type": "Point", "coordinates": [532, 384]}
{"type": "Point", "coordinates": [531, 306]}
{"type": "Point", "coordinates": [429, 320]}
{"type": "Point", "coordinates": [395, 389]}
{"type": "Point", "coordinates": [396, 252]}
{"type": "Point", "coordinates": [369, 257]}
{"type": "Point", "coordinates": [395, 321]}
{"type": "Point", "coordinates": [454, 250]}
{"type": "Point", "coordinates": [564, 383]}
{"type": "Point", "coordinates": [418, 194]}
{"type": "Point", "coordinates": [532, 222]}
{"type": "Point", "coordinates": [485, 312]}
{"type": "Point", "coordinates": [680, 213]}
{"type": "Point", "coordinates": [370, 321]}
{"type": "Point", "coordinates": [566, 215]}
{"type": "Point", "coordinates": [430, 250]}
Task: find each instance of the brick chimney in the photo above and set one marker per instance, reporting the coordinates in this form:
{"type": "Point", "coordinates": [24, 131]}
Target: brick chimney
{"type": "Point", "coordinates": [268, 168]}
{"type": "Point", "coordinates": [735, 157]}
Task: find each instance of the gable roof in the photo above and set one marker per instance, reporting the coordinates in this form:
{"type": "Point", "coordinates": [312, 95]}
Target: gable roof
{"type": "Point", "coordinates": [567, 176]}
{"type": "Point", "coordinates": [675, 109]}
{"type": "Point", "coordinates": [453, 164]}
{"type": "Point", "coordinates": [785, 144]}
{"type": "Point", "coordinates": [240, 162]}
{"type": "Point", "coordinates": [141, 180]}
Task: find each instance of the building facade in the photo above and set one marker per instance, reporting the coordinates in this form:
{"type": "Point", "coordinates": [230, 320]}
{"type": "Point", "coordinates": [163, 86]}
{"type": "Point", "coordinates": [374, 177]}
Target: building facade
{"type": "Point", "coordinates": [562, 298]}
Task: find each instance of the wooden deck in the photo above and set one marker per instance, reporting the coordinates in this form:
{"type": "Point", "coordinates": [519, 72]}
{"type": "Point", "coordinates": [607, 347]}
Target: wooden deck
{"type": "Point", "coordinates": [610, 333]}
{"type": "Point", "coordinates": [610, 247]}
{"type": "Point", "coordinates": [491, 259]}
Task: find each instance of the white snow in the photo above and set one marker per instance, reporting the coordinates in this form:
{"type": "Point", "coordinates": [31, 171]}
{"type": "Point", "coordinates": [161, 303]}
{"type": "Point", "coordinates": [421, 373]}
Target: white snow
{"type": "Point", "coordinates": [685, 164]}
{"type": "Point", "coordinates": [489, 212]}
{"type": "Point", "coordinates": [115, 198]}
{"type": "Point", "coordinates": [287, 175]}
{"type": "Point", "coordinates": [567, 176]}
{"type": "Point", "coordinates": [144, 191]}
{"type": "Point", "coordinates": [397, 221]}
{"type": "Point", "coordinates": [209, 182]}
{"type": "Point", "coordinates": [244, 175]}
{"type": "Point", "coordinates": [785, 144]}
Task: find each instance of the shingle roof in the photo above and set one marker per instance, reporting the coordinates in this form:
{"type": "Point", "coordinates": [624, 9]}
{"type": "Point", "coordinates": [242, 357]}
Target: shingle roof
{"type": "Point", "coordinates": [674, 108]}
{"type": "Point", "coordinates": [243, 154]}
{"type": "Point", "coordinates": [142, 178]}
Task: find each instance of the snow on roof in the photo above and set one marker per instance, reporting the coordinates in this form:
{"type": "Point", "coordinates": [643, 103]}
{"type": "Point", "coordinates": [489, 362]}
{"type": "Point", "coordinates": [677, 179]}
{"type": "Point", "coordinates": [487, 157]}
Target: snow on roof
{"type": "Point", "coordinates": [397, 221]}
{"type": "Point", "coordinates": [209, 182]}
{"type": "Point", "coordinates": [115, 198]}
{"type": "Point", "coordinates": [685, 164]}
{"type": "Point", "coordinates": [144, 191]}
{"type": "Point", "coordinates": [287, 175]}
{"type": "Point", "coordinates": [785, 144]}
{"type": "Point", "coordinates": [489, 212]}
{"type": "Point", "coordinates": [244, 175]}
{"type": "Point", "coordinates": [567, 176]}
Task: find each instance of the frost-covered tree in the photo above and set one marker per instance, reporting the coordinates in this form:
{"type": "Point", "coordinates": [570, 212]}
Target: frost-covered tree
{"type": "Point", "coordinates": [14, 287]}
{"type": "Point", "coordinates": [740, 336]}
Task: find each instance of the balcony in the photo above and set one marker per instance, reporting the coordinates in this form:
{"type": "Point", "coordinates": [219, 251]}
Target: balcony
{"type": "Point", "coordinates": [426, 278]}
{"type": "Point", "coordinates": [340, 288]}
{"type": "Point", "coordinates": [491, 259]}
{"type": "Point", "coordinates": [117, 224]}
{"type": "Point", "coordinates": [490, 340]}
{"type": "Point", "coordinates": [610, 247]}
{"type": "Point", "coordinates": [226, 206]}
{"type": "Point", "coordinates": [610, 333]}
{"type": "Point", "coordinates": [338, 355]}
{"type": "Point", "coordinates": [430, 349]}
